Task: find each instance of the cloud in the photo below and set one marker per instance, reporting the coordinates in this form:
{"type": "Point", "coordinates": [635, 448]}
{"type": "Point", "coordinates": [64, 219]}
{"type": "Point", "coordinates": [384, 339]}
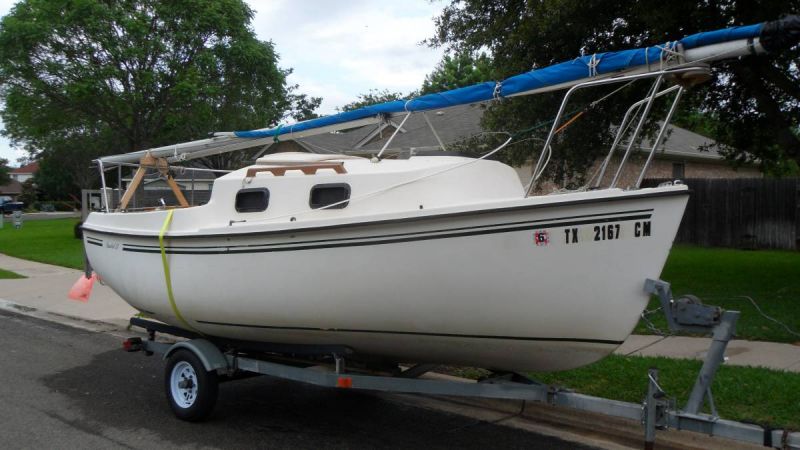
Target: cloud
{"type": "Point", "coordinates": [10, 153]}
{"type": "Point", "coordinates": [348, 48]}
{"type": "Point", "coordinates": [6, 151]}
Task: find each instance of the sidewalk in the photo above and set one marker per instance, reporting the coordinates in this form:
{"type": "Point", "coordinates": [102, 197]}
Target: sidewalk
{"type": "Point", "coordinates": [771, 355]}
{"type": "Point", "coordinates": [46, 289]}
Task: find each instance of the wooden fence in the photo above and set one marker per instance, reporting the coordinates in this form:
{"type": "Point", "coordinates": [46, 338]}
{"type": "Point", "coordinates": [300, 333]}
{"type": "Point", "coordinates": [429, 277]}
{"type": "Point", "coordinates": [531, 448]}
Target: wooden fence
{"type": "Point", "coordinates": [749, 213]}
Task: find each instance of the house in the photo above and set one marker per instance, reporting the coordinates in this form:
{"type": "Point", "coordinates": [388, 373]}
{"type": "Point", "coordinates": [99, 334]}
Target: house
{"type": "Point", "coordinates": [24, 173]}
{"type": "Point", "coordinates": [18, 176]}
{"type": "Point", "coordinates": [683, 154]}
{"type": "Point", "coordinates": [451, 125]}
{"type": "Point", "coordinates": [13, 189]}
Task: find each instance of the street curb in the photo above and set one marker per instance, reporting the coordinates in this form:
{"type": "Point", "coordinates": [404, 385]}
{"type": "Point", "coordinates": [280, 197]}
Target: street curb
{"type": "Point", "coordinates": [511, 415]}
{"type": "Point", "coordinates": [570, 424]}
{"type": "Point", "coordinates": [65, 319]}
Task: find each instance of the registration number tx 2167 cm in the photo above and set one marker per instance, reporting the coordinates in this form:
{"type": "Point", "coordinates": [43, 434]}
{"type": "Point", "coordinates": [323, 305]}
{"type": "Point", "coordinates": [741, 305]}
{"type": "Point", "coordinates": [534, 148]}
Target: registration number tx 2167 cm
{"type": "Point", "coordinates": [607, 232]}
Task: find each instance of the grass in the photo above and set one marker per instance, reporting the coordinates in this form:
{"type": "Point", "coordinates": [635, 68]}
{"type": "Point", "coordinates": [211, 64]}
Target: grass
{"type": "Point", "coordinates": [748, 394]}
{"type": "Point", "coordinates": [723, 276]}
{"type": "Point", "coordinates": [9, 275]}
{"type": "Point", "coordinates": [47, 241]}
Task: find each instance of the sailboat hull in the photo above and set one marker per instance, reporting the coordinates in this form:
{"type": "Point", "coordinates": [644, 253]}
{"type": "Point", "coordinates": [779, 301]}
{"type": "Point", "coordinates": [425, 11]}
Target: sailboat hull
{"type": "Point", "coordinates": [540, 286]}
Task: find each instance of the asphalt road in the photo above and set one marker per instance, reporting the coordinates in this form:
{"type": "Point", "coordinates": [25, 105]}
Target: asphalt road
{"type": "Point", "coordinates": [62, 387]}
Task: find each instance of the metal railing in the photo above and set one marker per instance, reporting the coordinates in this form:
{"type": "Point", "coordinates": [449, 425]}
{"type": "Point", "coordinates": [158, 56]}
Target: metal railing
{"type": "Point", "coordinates": [544, 156]}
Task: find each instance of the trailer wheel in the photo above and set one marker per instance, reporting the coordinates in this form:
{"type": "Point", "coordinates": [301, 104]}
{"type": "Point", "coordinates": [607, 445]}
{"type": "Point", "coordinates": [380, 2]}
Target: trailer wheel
{"type": "Point", "coordinates": [191, 390]}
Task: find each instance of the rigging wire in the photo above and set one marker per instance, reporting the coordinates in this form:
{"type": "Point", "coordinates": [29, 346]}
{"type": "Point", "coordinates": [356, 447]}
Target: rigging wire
{"type": "Point", "coordinates": [772, 319]}
{"type": "Point", "coordinates": [757, 308]}
{"type": "Point", "coordinates": [325, 150]}
{"type": "Point", "coordinates": [646, 346]}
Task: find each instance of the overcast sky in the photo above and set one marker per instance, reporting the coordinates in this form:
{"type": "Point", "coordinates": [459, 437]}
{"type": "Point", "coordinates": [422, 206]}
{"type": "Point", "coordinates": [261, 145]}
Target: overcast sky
{"type": "Point", "coordinates": [339, 49]}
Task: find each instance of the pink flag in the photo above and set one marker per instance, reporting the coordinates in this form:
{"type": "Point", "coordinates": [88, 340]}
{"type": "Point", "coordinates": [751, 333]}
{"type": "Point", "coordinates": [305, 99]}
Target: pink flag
{"type": "Point", "coordinates": [82, 288]}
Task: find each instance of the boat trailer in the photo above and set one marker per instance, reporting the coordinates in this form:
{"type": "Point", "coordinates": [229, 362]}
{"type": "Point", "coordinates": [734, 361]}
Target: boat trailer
{"type": "Point", "coordinates": [195, 367]}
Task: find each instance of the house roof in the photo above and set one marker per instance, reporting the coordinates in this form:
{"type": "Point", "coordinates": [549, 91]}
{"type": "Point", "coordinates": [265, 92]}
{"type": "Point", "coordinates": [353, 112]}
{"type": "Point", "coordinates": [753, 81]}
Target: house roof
{"type": "Point", "coordinates": [682, 143]}
{"type": "Point", "coordinates": [186, 176]}
{"type": "Point", "coordinates": [12, 188]}
{"type": "Point", "coordinates": [456, 123]}
{"type": "Point", "coordinates": [451, 124]}
{"type": "Point", "coordinates": [27, 168]}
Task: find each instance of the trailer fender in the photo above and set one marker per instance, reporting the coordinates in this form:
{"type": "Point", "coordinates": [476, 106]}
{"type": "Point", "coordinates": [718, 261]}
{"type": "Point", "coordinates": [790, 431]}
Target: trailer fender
{"type": "Point", "coordinates": [209, 354]}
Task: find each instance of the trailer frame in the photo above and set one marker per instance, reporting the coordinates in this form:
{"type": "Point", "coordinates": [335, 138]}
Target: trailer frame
{"type": "Point", "coordinates": [215, 359]}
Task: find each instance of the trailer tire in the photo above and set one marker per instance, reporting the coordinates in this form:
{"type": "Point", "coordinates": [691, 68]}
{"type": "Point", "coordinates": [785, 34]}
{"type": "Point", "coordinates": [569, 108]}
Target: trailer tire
{"type": "Point", "coordinates": [191, 390]}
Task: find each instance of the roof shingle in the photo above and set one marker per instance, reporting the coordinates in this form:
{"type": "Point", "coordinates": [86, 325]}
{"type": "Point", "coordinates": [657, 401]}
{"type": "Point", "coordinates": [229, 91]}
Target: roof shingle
{"type": "Point", "coordinates": [27, 168]}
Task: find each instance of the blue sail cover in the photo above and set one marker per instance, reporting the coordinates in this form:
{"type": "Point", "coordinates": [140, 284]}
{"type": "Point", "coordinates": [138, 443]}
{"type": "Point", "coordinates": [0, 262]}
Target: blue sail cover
{"type": "Point", "coordinates": [576, 69]}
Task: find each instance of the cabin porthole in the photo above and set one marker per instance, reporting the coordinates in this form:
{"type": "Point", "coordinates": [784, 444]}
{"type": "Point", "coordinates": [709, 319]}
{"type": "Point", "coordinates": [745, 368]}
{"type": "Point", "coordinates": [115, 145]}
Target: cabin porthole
{"type": "Point", "coordinates": [252, 200]}
{"type": "Point", "coordinates": [323, 195]}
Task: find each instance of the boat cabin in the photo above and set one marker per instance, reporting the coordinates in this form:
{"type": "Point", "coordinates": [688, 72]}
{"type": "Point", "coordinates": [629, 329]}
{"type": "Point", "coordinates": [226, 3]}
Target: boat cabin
{"type": "Point", "coordinates": [288, 186]}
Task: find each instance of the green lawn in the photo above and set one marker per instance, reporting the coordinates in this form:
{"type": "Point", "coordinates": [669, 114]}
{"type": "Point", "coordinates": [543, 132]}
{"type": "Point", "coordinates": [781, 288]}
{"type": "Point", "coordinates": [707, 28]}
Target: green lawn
{"type": "Point", "coordinates": [721, 276]}
{"type": "Point", "coordinates": [47, 241]}
{"type": "Point", "coordinates": [9, 275]}
{"type": "Point", "coordinates": [763, 396]}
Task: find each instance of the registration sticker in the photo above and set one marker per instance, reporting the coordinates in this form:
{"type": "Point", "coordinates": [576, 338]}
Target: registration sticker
{"type": "Point", "coordinates": [541, 238]}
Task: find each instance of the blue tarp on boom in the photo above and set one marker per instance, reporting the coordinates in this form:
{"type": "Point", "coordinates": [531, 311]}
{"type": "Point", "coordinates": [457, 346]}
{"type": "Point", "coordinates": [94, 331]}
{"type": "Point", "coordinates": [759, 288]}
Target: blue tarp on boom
{"type": "Point", "coordinates": [539, 78]}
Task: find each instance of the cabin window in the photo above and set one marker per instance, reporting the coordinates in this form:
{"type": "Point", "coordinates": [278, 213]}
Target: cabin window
{"type": "Point", "coordinates": [678, 170]}
{"type": "Point", "coordinates": [252, 200]}
{"type": "Point", "coordinates": [327, 194]}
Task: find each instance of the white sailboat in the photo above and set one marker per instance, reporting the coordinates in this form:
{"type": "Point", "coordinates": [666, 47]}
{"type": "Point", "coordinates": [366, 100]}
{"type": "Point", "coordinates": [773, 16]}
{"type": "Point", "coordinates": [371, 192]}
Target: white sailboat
{"type": "Point", "coordinates": [440, 259]}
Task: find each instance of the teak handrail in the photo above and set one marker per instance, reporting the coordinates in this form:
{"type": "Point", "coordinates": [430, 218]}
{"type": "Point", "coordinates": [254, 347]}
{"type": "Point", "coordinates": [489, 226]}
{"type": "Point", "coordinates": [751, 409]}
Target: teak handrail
{"type": "Point", "coordinates": [308, 169]}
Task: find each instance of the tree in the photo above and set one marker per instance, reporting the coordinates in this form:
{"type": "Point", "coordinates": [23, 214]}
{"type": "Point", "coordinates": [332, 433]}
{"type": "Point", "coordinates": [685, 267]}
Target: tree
{"type": "Point", "coordinates": [756, 98]}
{"type": "Point", "coordinates": [458, 70]}
{"type": "Point", "coordinates": [65, 167]}
{"type": "Point", "coordinates": [373, 97]}
{"type": "Point", "coordinates": [29, 194]}
{"type": "Point", "coordinates": [5, 178]}
{"type": "Point", "coordinates": [88, 78]}
{"type": "Point", "coordinates": [304, 108]}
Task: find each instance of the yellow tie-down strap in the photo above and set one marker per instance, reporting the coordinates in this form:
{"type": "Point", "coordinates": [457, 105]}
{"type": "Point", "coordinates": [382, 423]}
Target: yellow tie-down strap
{"type": "Point", "coordinates": [167, 276]}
